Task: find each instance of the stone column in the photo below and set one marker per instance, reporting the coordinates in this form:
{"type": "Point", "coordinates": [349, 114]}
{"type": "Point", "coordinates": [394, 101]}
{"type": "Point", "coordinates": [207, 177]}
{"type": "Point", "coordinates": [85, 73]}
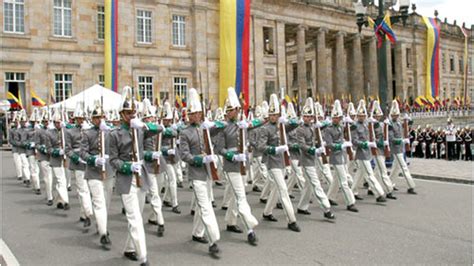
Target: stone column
{"type": "Point", "coordinates": [281, 55]}
{"type": "Point", "coordinates": [372, 73]}
{"type": "Point", "coordinates": [258, 60]}
{"type": "Point", "coordinates": [322, 87]}
{"type": "Point", "coordinates": [339, 66]}
{"type": "Point", "coordinates": [300, 58]}
{"type": "Point", "coordinates": [389, 71]}
{"type": "Point", "coordinates": [200, 50]}
{"type": "Point", "coordinates": [357, 78]}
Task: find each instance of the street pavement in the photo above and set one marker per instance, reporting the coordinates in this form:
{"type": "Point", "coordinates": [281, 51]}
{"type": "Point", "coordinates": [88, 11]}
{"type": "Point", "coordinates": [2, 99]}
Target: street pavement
{"type": "Point", "coordinates": [459, 171]}
{"type": "Point", "coordinates": [433, 227]}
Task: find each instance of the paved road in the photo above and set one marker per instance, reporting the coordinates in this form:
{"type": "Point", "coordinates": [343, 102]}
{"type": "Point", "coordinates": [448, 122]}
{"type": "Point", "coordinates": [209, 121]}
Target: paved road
{"type": "Point", "coordinates": [434, 227]}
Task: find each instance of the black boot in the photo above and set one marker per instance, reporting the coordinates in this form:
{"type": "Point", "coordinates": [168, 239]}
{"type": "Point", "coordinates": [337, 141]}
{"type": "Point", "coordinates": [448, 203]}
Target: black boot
{"type": "Point", "coordinates": [234, 229]}
{"type": "Point", "coordinates": [161, 230]}
{"type": "Point", "coordinates": [294, 227]}
{"type": "Point", "coordinates": [213, 249]}
{"type": "Point", "coordinates": [329, 215]}
{"type": "Point", "coordinates": [87, 222]}
{"type": "Point", "coordinates": [352, 208]}
{"type": "Point", "coordinates": [252, 238]}
{"type": "Point", "coordinates": [411, 191]}
{"type": "Point", "coordinates": [391, 196]}
{"type": "Point", "coordinates": [105, 242]}
{"type": "Point", "coordinates": [381, 199]}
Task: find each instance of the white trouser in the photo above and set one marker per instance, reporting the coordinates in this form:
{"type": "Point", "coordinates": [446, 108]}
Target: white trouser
{"type": "Point", "coordinates": [25, 166]}
{"type": "Point", "coordinates": [68, 175]}
{"type": "Point", "coordinates": [98, 202]}
{"type": "Point", "coordinates": [171, 192]}
{"type": "Point", "coordinates": [61, 186]}
{"type": "Point", "coordinates": [83, 193]}
{"type": "Point", "coordinates": [227, 195]}
{"type": "Point", "coordinates": [155, 201]}
{"type": "Point", "coordinates": [204, 218]}
{"type": "Point", "coordinates": [108, 183]}
{"type": "Point", "coordinates": [325, 171]}
{"type": "Point", "coordinates": [34, 170]}
{"type": "Point", "coordinates": [365, 172]}
{"type": "Point", "coordinates": [351, 168]}
{"type": "Point", "coordinates": [238, 203]}
{"type": "Point", "coordinates": [17, 161]}
{"type": "Point", "coordinates": [381, 173]}
{"type": "Point", "coordinates": [133, 203]}
{"type": "Point", "coordinates": [260, 174]}
{"type": "Point", "coordinates": [179, 171]}
{"type": "Point", "coordinates": [296, 177]}
{"type": "Point", "coordinates": [47, 175]}
{"type": "Point", "coordinates": [279, 191]}
{"type": "Point", "coordinates": [312, 185]}
{"type": "Point", "coordinates": [399, 165]}
{"type": "Point", "coordinates": [341, 174]}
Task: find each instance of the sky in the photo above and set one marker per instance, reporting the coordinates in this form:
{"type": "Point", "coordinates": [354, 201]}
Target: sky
{"type": "Point", "coordinates": [459, 10]}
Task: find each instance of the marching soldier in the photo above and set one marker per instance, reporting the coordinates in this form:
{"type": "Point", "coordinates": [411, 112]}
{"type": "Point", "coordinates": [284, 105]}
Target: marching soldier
{"type": "Point", "coordinates": [192, 147]}
{"type": "Point", "coordinates": [271, 146]}
{"type": "Point", "coordinates": [334, 138]}
{"type": "Point", "coordinates": [43, 155]}
{"type": "Point", "coordinates": [360, 139]}
{"type": "Point", "coordinates": [306, 143]}
{"type": "Point", "coordinates": [382, 144]}
{"type": "Point", "coordinates": [77, 165]}
{"type": "Point", "coordinates": [396, 147]}
{"type": "Point", "coordinates": [21, 139]}
{"type": "Point", "coordinates": [126, 156]}
{"type": "Point", "coordinates": [30, 147]}
{"type": "Point", "coordinates": [228, 140]}
{"type": "Point", "coordinates": [55, 147]}
{"type": "Point", "coordinates": [11, 139]}
{"type": "Point", "coordinates": [296, 173]}
{"type": "Point", "coordinates": [450, 133]}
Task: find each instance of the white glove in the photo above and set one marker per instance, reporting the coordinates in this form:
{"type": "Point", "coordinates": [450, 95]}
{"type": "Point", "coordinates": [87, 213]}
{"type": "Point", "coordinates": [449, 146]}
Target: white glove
{"type": "Point", "coordinates": [174, 126]}
{"type": "Point", "coordinates": [51, 126]}
{"type": "Point", "coordinates": [136, 123]}
{"type": "Point", "coordinates": [406, 141]}
{"type": "Point", "coordinates": [282, 119]}
{"type": "Point", "coordinates": [136, 167]}
{"type": "Point", "coordinates": [61, 152]}
{"type": "Point", "coordinates": [171, 152]}
{"type": "Point", "coordinates": [347, 119]}
{"type": "Point", "coordinates": [372, 120]}
{"type": "Point", "coordinates": [38, 126]}
{"type": "Point", "coordinates": [372, 144]}
{"type": "Point", "coordinates": [385, 143]}
{"type": "Point", "coordinates": [406, 117]}
{"type": "Point", "coordinates": [240, 157]}
{"type": "Point", "coordinates": [281, 149]}
{"type": "Point", "coordinates": [99, 161]}
{"type": "Point", "coordinates": [386, 121]}
{"type": "Point", "coordinates": [318, 125]}
{"type": "Point", "coordinates": [320, 151]}
{"type": "Point", "coordinates": [415, 142]}
{"type": "Point", "coordinates": [177, 141]}
{"type": "Point", "coordinates": [207, 124]}
{"type": "Point", "coordinates": [156, 155]}
{"type": "Point", "coordinates": [209, 159]}
{"type": "Point", "coordinates": [32, 144]}
{"type": "Point", "coordinates": [160, 127]}
{"type": "Point", "coordinates": [82, 161]}
{"type": "Point", "coordinates": [243, 124]}
{"type": "Point", "coordinates": [85, 125]}
{"type": "Point", "coordinates": [63, 124]}
{"type": "Point", "coordinates": [103, 126]}
{"type": "Point", "coordinates": [346, 144]}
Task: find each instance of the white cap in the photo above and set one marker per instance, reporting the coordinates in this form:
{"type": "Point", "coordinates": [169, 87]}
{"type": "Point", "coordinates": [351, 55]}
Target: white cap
{"type": "Point", "coordinates": [274, 105]}
{"type": "Point", "coordinates": [376, 110]}
{"type": "Point", "coordinates": [308, 108]}
{"type": "Point", "coordinates": [350, 109]}
{"type": "Point", "coordinates": [291, 111]}
{"type": "Point", "coordinates": [232, 100]}
{"type": "Point", "coordinates": [167, 111]}
{"type": "Point", "coordinates": [361, 110]}
{"type": "Point", "coordinates": [336, 109]}
{"type": "Point", "coordinates": [194, 102]}
{"type": "Point", "coordinates": [394, 110]}
{"type": "Point", "coordinates": [265, 109]}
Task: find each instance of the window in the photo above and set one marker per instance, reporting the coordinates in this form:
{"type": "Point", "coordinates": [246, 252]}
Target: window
{"type": "Point", "coordinates": [15, 84]}
{"type": "Point", "coordinates": [451, 63]}
{"type": "Point", "coordinates": [62, 86]}
{"type": "Point", "coordinates": [461, 65]}
{"type": "Point", "coordinates": [145, 87]}
{"type": "Point", "coordinates": [269, 88]}
{"type": "Point", "coordinates": [268, 40]}
{"type": "Point", "coordinates": [100, 22]}
{"type": "Point", "coordinates": [180, 87]}
{"type": "Point", "coordinates": [63, 18]}
{"type": "Point", "coordinates": [143, 26]}
{"type": "Point", "coordinates": [443, 61]}
{"type": "Point", "coordinates": [408, 57]}
{"type": "Point", "coordinates": [309, 72]}
{"type": "Point", "coordinates": [295, 74]}
{"type": "Point", "coordinates": [101, 80]}
{"type": "Point", "coordinates": [179, 32]}
{"type": "Point", "coordinates": [14, 16]}
{"type": "Point", "coordinates": [469, 67]}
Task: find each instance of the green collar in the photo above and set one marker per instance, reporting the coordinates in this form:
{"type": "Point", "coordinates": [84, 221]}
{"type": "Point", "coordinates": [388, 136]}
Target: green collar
{"type": "Point", "coordinates": [194, 124]}
{"type": "Point", "coordinates": [124, 126]}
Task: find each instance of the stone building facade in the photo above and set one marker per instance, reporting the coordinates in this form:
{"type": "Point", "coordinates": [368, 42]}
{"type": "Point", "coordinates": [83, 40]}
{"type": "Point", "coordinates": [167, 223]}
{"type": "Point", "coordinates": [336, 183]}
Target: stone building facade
{"type": "Point", "coordinates": [166, 47]}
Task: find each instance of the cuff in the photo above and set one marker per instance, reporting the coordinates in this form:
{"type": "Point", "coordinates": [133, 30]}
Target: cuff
{"type": "Point", "coordinates": [295, 147]}
{"type": "Point", "coordinates": [397, 141]}
{"type": "Point", "coordinates": [380, 144]}
{"type": "Point", "coordinates": [270, 150]}
{"type": "Point", "coordinates": [148, 156]}
{"type": "Point", "coordinates": [75, 158]}
{"type": "Point", "coordinates": [337, 147]}
{"type": "Point", "coordinates": [229, 155]}
{"type": "Point", "coordinates": [293, 122]}
{"type": "Point", "coordinates": [312, 150]}
{"type": "Point", "coordinates": [164, 151]}
{"type": "Point", "coordinates": [91, 160]}
{"type": "Point", "coordinates": [152, 127]}
{"type": "Point", "coordinates": [126, 168]}
{"type": "Point", "coordinates": [219, 124]}
{"type": "Point", "coordinates": [364, 145]}
{"type": "Point", "coordinates": [55, 153]}
{"type": "Point", "coordinates": [198, 161]}
{"type": "Point", "coordinates": [256, 122]}
{"type": "Point", "coordinates": [168, 132]}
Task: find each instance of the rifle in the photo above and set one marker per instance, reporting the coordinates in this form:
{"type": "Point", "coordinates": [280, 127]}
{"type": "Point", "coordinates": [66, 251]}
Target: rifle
{"type": "Point", "coordinates": [318, 138]}
{"type": "Point", "coordinates": [406, 133]}
{"type": "Point", "coordinates": [102, 139]}
{"type": "Point", "coordinates": [348, 138]}
{"type": "Point", "coordinates": [158, 141]}
{"type": "Point", "coordinates": [62, 140]}
{"type": "Point", "coordinates": [386, 148]}
{"type": "Point", "coordinates": [242, 143]}
{"type": "Point", "coordinates": [173, 140]}
{"type": "Point", "coordinates": [208, 149]}
{"type": "Point", "coordinates": [372, 137]}
{"type": "Point", "coordinates": [283, 141]}
{"type": "Point", "coordinates": [135, 148]}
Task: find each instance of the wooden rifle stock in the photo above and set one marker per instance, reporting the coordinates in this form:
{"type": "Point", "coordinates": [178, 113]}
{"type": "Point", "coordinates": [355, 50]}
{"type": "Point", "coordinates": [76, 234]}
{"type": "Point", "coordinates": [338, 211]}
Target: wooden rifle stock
{"type": "Point", "coordinates": [348, 138]}
{"type": "Point", "coordinates": [283, 141]}
{"type": "Point", "coordinates": [208, 149]}
{"type": "Point", "coordinates": [319, 140]}
{"type": "Point", "coordinates": [373, 150]}
{"type": "Point", "coordinates": [102, 152]}
{"type": "Point", "coordinates": [242, 142]}
{"type": "Point", "coordinates": [386, 148]}
{"type": "Point", "coordinates": [406, 134]}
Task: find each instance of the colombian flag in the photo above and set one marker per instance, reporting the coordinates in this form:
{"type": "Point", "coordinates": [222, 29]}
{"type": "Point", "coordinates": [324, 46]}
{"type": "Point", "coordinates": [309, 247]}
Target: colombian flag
{"type": "Point", "coordinates": [432, 58]}
{"type": "Point", "coordinates": [14, 102]}
{"type": "Point", "coordinates": [110, 44]}
{"type": "Point", "coordinates": [234, 48]}
{"type": "Point", "coordinates": [35, 100]}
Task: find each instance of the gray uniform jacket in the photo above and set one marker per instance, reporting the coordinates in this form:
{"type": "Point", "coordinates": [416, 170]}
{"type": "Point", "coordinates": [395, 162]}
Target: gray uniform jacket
{"type": "Point", "coordinates": [395, 135]}
{"type": "Point", "coordinates": [167, 137]}
{"type": "Point", "coordinates": [11, 139]}
{"type": "Point", "coordinates": [269, 139]}
{"type": "Point", "coordinates": [227, 145]}
{"type": "Point", "coordinates": [53, 144]}
{"type": "Point", "coordinates": [150, 147]}
{"type": "Point", "coordinates": [73, 138]}
{"type": "Point", "coordinates": [360, 138]}
{"type": "Point", "coordinates": [29, 135]}
{"type": "Point", "coordinates": [89, 151]}
{"type": "Point", "coordinates": [42, 136]}
{"type": "Point", "coordinates": [379, 138]}
{"type": "Point", "coordinates": [305, 140]}
{"type": "Point", "coordinates": [20, 138]}
{"type": "Point", "coordinates": [120, 152]}
{"type": "Point", "coordinates": [191, 147]}
{"type": "Point", "coordinates": [334, 137]}
{"type": "Point", "coordinates": [292, 140]}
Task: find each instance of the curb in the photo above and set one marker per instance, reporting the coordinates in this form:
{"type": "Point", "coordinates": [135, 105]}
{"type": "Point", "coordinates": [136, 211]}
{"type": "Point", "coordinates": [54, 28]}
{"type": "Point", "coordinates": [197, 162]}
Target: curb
{"type": "Point", "coordinates": [444, 179]}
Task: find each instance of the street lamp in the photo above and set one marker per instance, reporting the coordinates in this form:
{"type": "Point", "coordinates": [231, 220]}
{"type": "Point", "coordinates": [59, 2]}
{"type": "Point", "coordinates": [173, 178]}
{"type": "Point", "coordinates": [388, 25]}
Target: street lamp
{"type": "Point", "coordinates": [361, 12]}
